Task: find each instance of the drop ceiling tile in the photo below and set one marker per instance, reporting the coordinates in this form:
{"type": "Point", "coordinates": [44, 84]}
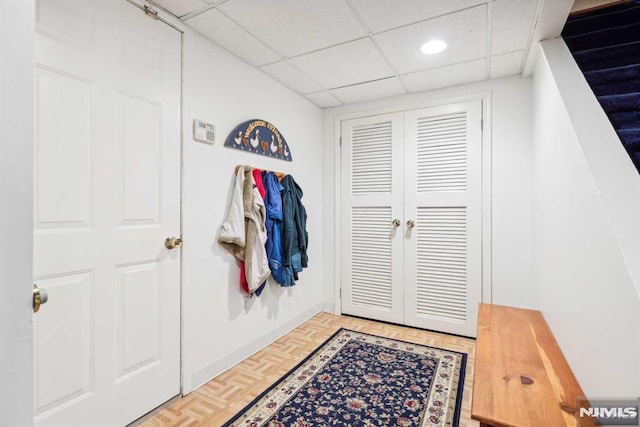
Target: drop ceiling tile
{"type": "Point", "coordinates": [380, 15]}
{"type": "Point", "coordinates": [451, 75]}
{"type": "Point", "coordinates": [506, 65]}
{"type": "Point", "coordinates": [323, 99]}
{"type": "Point", "coordinates": [346, 64]}
{"type": "Point", "coordinates": [218, 28]}
{"type": "Point", "coordinates": [181, 7]}
{"type": "Point", "coordinates": [464, 32]}
{"type": "Point", "coordinates": [512, 24]}
{"type": "Point", "coordinates": [370, 90]}
{"type": "Point", "coordinates": [294, 27]}
{"type": "Point", "coordinates": [292, 77]}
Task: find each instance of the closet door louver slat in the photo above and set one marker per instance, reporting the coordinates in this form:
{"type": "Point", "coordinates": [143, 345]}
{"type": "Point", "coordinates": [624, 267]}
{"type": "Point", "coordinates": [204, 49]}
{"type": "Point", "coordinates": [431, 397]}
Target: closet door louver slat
{"type": "Point", "coordinates": [371, 174]}
{"type": "Point", "coordinates": [443, 137]}
{"type": "Point", "coordinates": [371, 252]}
{"type": "Point", "coordinates": [432, 292]}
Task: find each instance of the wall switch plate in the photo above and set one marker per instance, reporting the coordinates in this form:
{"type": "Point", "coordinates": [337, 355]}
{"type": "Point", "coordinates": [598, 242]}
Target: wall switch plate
{"type": "Point", "coordinates": [204, 132]}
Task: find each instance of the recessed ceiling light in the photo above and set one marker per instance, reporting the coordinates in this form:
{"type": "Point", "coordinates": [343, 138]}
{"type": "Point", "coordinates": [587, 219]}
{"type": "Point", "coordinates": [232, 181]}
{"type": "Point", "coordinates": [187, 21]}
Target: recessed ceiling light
{"type": "Point", "coordinates": [433, 46]}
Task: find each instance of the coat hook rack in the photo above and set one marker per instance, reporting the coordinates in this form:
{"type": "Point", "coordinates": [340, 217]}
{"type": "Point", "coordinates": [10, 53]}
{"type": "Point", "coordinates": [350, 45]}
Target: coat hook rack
{"type": "Point", "coordinates": [280, 175]}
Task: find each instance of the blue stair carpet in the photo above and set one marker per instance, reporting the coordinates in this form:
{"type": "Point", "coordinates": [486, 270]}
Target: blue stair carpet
{"type": "Point", "coordinates": [606, 45]}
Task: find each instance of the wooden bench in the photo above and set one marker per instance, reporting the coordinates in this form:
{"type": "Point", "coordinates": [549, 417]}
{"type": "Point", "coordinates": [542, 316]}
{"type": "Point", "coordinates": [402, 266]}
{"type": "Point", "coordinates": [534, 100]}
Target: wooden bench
{"type": "Point", "coordinates": [520, 376]}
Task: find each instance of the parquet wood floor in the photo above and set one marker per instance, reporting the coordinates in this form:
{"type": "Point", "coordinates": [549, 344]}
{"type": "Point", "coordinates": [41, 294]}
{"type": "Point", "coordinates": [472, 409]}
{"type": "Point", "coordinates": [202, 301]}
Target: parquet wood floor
{"type": "Point", "coordinates": [222, 397]}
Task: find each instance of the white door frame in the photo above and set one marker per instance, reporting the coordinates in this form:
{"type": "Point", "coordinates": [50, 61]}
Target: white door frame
{"type": "Point", "coordinates": [17, 29]}
{"type": "Point", "coordinates": [186, 385]}
{"type": "Point", "coordinates": [485, 97]}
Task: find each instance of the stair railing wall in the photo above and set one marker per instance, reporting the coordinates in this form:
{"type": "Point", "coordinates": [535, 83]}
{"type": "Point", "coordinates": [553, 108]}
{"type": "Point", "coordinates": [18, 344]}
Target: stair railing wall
{"type": "Point", "coordinates": [615, 175]}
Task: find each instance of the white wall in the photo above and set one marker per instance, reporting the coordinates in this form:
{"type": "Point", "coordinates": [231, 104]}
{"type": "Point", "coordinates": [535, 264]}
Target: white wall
{"type": "Point", "coordinates": [616, 178]}
{"type": "Point", "coordinates": [221, 327]}
{"type": "Point", "coordinates": [16, 67]}
{"type": "Point", "coordinates": [508, 124]}
{"type": "Point", "coordinates": [581, 282]}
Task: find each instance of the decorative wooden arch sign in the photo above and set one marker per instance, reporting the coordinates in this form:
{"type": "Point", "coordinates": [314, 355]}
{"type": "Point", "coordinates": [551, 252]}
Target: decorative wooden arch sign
{"type": "Point", "coordinates": [260, 137]}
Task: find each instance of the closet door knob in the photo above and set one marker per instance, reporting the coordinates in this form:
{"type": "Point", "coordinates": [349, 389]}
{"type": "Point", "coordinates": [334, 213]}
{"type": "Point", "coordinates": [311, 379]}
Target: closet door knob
{"type": "Point", "coordinates": [396, 223]}
{"type": "Point", "coordinates": [172, 242]}
{"type": "Point", "coordinates": [411, 224]}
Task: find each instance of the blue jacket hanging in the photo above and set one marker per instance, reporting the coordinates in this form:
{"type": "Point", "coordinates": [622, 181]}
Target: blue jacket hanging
{"type": "Point", "coordinates": [295, 234]}
{"type": "Point", "coordinates": [274, 217]}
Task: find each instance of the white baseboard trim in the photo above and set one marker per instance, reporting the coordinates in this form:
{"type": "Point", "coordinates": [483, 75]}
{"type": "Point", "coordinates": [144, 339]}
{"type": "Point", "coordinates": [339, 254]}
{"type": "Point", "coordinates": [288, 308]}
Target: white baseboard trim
{"type": "Point", "coordinates": [328, 307]}
{"type": "Point", "coordinates": [206, 374]}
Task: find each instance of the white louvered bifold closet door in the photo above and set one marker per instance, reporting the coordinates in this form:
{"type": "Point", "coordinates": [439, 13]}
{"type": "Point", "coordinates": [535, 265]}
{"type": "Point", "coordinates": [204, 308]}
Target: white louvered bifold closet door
{"type": "Point", "coordinates": [443, 182]}
{"type": "Point", "coordinates": [371, 176]}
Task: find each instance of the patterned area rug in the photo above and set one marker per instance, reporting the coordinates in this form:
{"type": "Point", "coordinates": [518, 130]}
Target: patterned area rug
{"type": "Point", "coordinates": [357, 379]}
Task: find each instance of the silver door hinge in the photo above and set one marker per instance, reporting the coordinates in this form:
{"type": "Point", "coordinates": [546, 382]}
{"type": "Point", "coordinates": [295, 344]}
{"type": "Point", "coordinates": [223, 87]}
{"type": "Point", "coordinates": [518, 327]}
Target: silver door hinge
{"type": "Point", "coordinates": [150, 12]}
{"type": "Point", "coordinates": [340, 293]}
{"type": "Point", "coordinates": [481, 124]}
{"type": "Point", "coordinates": [340, 141]}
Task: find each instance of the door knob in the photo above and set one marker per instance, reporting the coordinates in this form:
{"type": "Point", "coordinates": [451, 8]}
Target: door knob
{"type": "Point", "coordinates": [411, 224]}
{"type": "Point", "coordinates": [396, 223]}
{"type": "Point", "coordinates": [172, 242]}
{"type": "Point", "coordinates": [40, 296]}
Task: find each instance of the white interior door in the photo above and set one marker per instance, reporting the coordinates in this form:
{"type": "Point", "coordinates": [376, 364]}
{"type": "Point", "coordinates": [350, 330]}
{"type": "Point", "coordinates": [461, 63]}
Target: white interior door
{"type": "Point", "coordinates": [106, 195]}
{"type": "Point", "coordinates": [423, 168]}
{"type": "Point", "coordinates": [371, 199]}
{"type": "Point", "coordinates": [443, 198]}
